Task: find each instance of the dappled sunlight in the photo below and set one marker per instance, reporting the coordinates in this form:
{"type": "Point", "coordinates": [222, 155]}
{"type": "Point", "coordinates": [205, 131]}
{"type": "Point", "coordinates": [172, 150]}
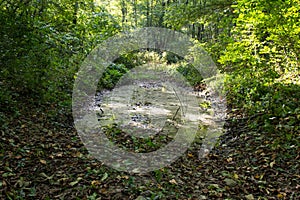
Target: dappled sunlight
{"type": "Point", "coordinates": [149, 99]}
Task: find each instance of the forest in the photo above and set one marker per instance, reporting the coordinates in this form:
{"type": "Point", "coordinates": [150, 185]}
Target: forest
{"type": "Point", "coordinates": [253, 44]}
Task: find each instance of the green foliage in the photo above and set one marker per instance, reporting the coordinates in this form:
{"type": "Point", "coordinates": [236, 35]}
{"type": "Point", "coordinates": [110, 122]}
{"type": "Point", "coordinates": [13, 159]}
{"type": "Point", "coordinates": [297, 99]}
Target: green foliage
{"type": "Point", "coordinates": [137, 58]}
{"type": "Point", "coordinates": [259, 45]}
{"type": "Point", "coordinates": [42, 44]}
{"type": "Point", "coordinates": [112, 75]}
{"type": "Point", "coordinates": [191, 74]}
{"type": "Point", "coordinates": [260, 53]}
{"type": "Point", "coordinates": [256, 43]}
{"type": "Point", "coordinates": [130, 60]}
{"type": "Point", "coordinates": [204, 20]}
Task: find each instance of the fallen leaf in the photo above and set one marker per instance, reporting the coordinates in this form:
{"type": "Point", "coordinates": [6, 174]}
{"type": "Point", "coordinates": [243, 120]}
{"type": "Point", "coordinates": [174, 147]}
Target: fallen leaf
{"type": "Point", "coordinates": [140, 198]}
{"type": "Point", "coordinates": [272, 164]}
{"type": "Point", "coordinates": [95, 182]}
{"type": "Point", "coordinates": [249, 197]}
{"type": "Point", "coordinates": [105, 175]}
{"type": "Point", "coordinates": [280, 196]}
{"type": "Point", "coordinates": [235, 176]}
{"type": "Point", "coordinates": [77, 154]}
{"type": "Point", "coordinates": [59, 154]}
{"type": "Point", "coordinates": [43, 161]}
{"type": "Point", "coordinates": [126, 177]}
{"type": "Point", "coordinates": [190, 155]}
{"type": "Point", "coordinates": [229, 182]}
{"type": "Point", "coordinates": [103, 191]}
{"type": "Point", "coordinates": [213, 186]}
{"type": "Point", "coordinates": [173, 181]}
{"type": "Point", "coordinates": [73, 183]}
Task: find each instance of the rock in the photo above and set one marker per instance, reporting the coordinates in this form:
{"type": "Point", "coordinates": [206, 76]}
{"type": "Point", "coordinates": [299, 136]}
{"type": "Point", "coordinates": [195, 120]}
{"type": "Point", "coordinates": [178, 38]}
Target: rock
{"type": "Point", "coordinates": [140, 198]}
{"type": "Point", "coordinates": [202, 197]}
{"type": "Point", "coordinates": [249, 197]}
{"type": "Point", "coordinates": [229, 182]}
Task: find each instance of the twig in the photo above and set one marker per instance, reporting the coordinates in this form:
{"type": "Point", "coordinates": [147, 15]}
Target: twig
{"type": "Point", "coordinates": [176, 113]}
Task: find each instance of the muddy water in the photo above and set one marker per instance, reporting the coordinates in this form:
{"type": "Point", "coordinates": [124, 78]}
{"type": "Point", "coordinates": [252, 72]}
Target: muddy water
{"type": "Point", "coordinates": [148, 100]}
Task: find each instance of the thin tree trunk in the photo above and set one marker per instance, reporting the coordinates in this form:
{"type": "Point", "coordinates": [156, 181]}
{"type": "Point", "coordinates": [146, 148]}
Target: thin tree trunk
{"type": "Point", "coordinates": [135, 12]}
{"type": "Point", "coordinates": [148, 14]}
{"type": "Point", "coordinates": [75, 13]}
{"type": "Point", "coordinates": [124, 11]}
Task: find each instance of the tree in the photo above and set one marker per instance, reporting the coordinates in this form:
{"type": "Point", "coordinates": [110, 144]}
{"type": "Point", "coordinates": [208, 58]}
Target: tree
{"type": "Point", "coordinates": [263, 49]}
{"type": "Point", "coordinates": [42, 43]}
{"type": "Point", "coordinates": [266, 36]}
